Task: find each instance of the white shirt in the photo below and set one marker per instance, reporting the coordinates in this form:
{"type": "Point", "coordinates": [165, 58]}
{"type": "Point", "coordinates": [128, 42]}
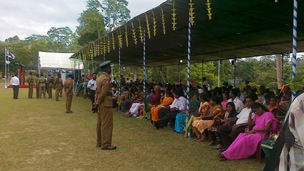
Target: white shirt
{"type": "Point", "coordinates": [238, 104]}
{"type": "Point", "coordinates": [200, 91]}
{"type": "Point", "coordinates": [179, 103]}
{"type": "Point", "coordinates": [243, 116]}
{"type": "Point", "coordinates": [92, 84]}
{"type": "Point", "coordinates": [15, 81]}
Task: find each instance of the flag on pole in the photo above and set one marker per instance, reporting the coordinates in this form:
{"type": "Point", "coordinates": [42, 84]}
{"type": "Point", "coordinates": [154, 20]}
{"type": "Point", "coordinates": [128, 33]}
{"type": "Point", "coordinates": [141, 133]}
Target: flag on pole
{"type": "Point", "coordinates": [8, 54]}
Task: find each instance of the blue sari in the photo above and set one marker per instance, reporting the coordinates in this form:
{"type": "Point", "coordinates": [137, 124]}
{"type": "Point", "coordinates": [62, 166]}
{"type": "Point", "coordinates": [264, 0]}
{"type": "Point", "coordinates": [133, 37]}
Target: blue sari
{"type": "Point", "coordinates": [180, 120]}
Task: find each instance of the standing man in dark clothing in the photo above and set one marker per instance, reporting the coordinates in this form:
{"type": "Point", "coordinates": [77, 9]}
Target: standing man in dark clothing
{"type": "Point", "coordinates": [57, 86]}
{"type": "Point", "coordinates": [37, 86]}
{"type": "Point", "coordinates": [105, 111]}
{"type": "Point", "coordinates": [50, 81]}
{"type": "Point", "coordinates": [30, 81]}
{"type": "Point", "coordinates": [68, 90]}
{"type": "Point", "coordinates": [92, 86]}
{"type": "Point", "coordinates": [42, 84]}
{"type": "Point", "coordinates": [15, 83]}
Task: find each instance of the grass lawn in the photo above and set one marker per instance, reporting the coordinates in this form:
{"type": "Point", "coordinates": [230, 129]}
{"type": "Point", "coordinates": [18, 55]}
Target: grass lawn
{"type": "Point", "coordinates": [37, 134]}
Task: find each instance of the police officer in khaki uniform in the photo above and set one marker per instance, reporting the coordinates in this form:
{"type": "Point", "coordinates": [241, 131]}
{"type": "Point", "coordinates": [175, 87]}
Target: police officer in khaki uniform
{"type": "Point", "coordinates": [37, 86]}
{"type": "Point", "coordinates": [105, 110]}
{"type": "Point", "coordinates": [57, 86]}
{"type": "Point", "coordinates": [42, 84]}
{"type": "Point", "coordinates": [68, 90]}
{"type": "Point", "coordinates": [30, 81]}
{"type": "Point", "coordinates": [50, 81]}
{"type": "Point", "coordinates": [60, 86]}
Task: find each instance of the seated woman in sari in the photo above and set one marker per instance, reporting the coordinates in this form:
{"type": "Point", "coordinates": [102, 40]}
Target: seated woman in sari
{"type": "Point", "coordinates": [167, 100]}
{"type": "Point", "coordinates": [136, 103]}
{"type": "Point", "coordinates": [180, 120]}
{"type": "Point", "coordinates": [246, 143]}
{"type": "Point", "coordinates": [228, 115]}
{"type": "Point", "coordinates": [203, 108]}
{"type": "Point", "coordinates": [178, 105]}
{"type": "Point", "coordinates": [199, 126]}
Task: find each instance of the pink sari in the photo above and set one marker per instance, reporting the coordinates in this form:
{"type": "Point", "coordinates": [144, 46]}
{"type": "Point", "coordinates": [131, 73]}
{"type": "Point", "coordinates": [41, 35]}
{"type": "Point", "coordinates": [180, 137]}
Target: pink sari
{"type": "Point", "coordinates": [246, 144]}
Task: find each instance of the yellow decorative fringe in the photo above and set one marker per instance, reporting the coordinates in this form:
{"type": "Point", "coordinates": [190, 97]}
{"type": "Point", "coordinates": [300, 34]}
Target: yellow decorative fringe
{"type": "Point", "coordinates": [113, 41]}
{"type": "Point", "coordinates": [141, 36]}
{"type": "Point", "coordinates": [126, 36]}
{"type": "Point", "coordinates": [134, 34]}
{"type": "Point", "coordinates": [119, 37]}
{"type": "Point", "coordinates": [191, 12]}
{"type": "Point", "coordinates": [148, 26]}
{"type": "Point", "coordinates": [154, 24]}
{"type": "Point", "coordinates": [173, 16]}
{"type": "Point", "coordinates": [163, 20]}
{"type": "Point", "coordinates": [209, 9]}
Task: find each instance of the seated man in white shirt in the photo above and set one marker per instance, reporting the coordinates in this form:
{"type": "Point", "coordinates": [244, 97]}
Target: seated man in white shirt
{"type": "Point", "coordinates": [178, 105]}
{"type": "Point", "coordinates": [229, 131]}
{"type": "Point", "coordinates": [234, 93]}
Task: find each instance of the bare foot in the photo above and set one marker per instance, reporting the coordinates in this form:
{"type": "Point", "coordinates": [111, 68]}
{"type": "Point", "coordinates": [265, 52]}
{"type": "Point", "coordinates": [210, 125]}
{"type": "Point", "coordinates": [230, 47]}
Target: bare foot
{"type": "Point", "coordinates": [201, 140]}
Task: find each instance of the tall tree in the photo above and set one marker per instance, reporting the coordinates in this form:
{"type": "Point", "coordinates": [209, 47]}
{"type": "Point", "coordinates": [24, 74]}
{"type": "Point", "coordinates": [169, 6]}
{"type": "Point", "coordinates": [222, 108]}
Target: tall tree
{"type": "Point", "coordinates": [61, 35]}
{"type": "Point", "coordinates": [115, 13]}
{"type": "Point", "coordinates": [91, 26]}
{"type": "Point", "coordinates": [12, 39]}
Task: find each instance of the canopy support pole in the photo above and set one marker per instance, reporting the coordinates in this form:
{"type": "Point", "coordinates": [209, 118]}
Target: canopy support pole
{"type": "Point", "coordinates": [144, 63]}
{"type": "Point", "coordinates": [5, 73]}
{"type": "Point", "coordinates": [294, 42]}
{"type": "Point", "coordinates": [218, 73]}
{"type": "Point", "coordinates": [234, 72]}
{"type": "Point", "coordinates": [119, 69]}
{"type": "Point", "coordinates": [92, 64]}
{"type": "Point", "coordinates": [188, 64]}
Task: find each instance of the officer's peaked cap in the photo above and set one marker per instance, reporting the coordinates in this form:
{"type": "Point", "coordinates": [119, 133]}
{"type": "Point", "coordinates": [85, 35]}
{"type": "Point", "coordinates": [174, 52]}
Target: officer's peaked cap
{"type": "Point", "coordinates": [105, 64]}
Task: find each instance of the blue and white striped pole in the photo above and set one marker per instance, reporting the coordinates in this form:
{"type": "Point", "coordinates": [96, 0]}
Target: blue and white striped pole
{"type": "Point", "coordinates": [119, 83]}
{"type": "Point", "coordinates": [188, 64]}
{"type": "Point", "coordinates": [144, 63]}
{"type": "Point", "coordinates": [294, 42]}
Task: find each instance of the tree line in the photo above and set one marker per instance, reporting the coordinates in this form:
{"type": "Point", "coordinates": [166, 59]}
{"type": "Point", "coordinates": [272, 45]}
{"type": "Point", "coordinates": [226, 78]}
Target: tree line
{"type": "Point", "coordinates": [101, 17]}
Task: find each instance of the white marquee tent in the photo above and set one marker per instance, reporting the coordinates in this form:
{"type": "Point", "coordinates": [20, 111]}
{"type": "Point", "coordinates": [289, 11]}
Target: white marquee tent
{"type": "Point", "coordinates": [51, 60]}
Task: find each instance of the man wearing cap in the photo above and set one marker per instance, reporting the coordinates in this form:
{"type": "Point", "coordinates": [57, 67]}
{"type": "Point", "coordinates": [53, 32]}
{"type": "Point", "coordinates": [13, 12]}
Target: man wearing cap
{"type": "Point", "coordinates": [42, 84]}
{"type": "Point", "coordinates": [105, 111]}
{"type": "Point", "coordinates": [68, 90]}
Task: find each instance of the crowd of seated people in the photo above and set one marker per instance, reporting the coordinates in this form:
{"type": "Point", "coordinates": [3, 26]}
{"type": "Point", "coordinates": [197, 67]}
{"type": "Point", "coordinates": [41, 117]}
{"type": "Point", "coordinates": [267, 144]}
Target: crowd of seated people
{"type": "Point", "coordinates": [234, 122]}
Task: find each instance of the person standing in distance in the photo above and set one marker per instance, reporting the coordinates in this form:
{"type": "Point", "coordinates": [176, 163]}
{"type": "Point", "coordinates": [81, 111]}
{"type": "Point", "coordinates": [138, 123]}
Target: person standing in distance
{"type": "Point", "coordinates": [105, 111]}
{"type": "Point", "coordinates": [15, 83]}
{"type": "Point", "coordinates": [42, 85]}
{"type": "Point", "coordinates": [57, 86]}
{"type": "Point", "coordinates": [68, 90]}
{"type": "Point", "coordinates": [50, 81]}
{"type": "Point", "coordinates": [92, 86]}
{"type": "Point", "coordinates": [30, 81]}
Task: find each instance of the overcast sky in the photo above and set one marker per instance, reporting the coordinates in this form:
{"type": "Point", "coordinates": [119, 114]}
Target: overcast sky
{"type": "Point", "coordinates": [27, 17]}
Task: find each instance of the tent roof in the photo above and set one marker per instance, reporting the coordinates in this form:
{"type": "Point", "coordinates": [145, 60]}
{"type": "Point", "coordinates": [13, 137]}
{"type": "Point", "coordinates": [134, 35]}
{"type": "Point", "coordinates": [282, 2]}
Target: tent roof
{"type": "Point", "coordinates": [51, 60]}
{"type": "Point", "coordinates": [239, 28]}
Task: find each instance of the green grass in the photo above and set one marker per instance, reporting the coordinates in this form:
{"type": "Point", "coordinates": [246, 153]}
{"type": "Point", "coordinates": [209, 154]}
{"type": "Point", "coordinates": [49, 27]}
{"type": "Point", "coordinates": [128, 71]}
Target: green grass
{"type": "Point", "coordinates": [37, 134]}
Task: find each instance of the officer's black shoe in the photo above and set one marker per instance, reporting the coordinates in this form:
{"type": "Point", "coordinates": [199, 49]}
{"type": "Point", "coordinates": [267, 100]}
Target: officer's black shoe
{"type": "Point", "coordinates": [109, 148]}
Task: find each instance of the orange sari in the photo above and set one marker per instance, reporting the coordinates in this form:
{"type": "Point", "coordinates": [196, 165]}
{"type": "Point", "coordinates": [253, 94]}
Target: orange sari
{"type": "Point", "coordinates": [201, 125]}
{"type": "Point", "coordinates": [154, 110]}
